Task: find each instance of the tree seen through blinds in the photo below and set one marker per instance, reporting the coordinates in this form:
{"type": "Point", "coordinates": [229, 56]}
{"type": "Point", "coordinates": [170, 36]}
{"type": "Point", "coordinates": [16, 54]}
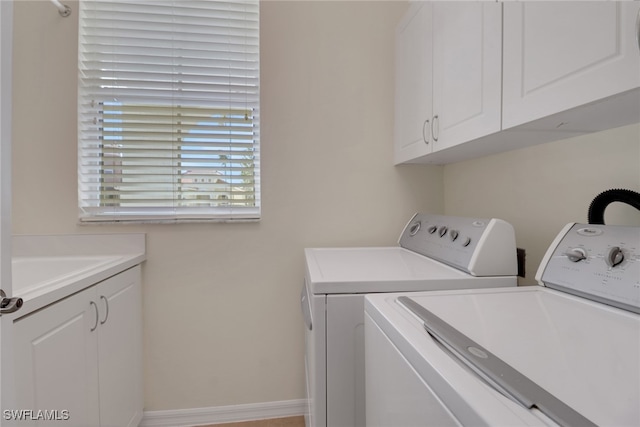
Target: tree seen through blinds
{"type": "Point", "coordinates": [168, 110]}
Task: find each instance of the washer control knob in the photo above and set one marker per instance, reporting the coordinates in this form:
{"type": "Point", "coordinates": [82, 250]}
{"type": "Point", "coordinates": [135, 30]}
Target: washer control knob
{"type": "Point", "coordinates": [432, 229]}
{"type": "Point", "coordinates": [615, 256]}
{"type": "Point", "coordinates": [443, 230]}
{"type": "Point", "coordinates": [453, 234]}
{"type": "Point", "coordinates": [466, 242]}
{"type": "Point", "coordinates": [576, 254]}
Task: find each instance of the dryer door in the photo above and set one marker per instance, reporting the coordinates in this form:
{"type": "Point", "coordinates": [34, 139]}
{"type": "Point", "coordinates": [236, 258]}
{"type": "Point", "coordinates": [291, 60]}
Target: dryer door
{"type": "Point", "coordinates": [314, 357]}
{"type": "Point", "coordinates": [305, 304]}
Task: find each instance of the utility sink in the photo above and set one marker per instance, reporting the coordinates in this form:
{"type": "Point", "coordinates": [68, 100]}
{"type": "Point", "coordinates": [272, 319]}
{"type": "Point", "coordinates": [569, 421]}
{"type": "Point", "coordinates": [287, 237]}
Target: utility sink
{"type": "Point", "coordinates": [32, 273]}
{"type": "Point", "coordinates": [49, 268]}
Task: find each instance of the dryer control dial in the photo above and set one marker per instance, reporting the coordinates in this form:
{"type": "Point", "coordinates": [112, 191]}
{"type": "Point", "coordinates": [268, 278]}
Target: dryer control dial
{"type": "Point", "coordinates": [415, 227]}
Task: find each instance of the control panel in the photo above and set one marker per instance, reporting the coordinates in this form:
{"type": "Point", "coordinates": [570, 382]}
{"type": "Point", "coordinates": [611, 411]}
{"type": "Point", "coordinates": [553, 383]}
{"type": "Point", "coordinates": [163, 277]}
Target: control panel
{"type": "Point", "coordinates": [599, 262]}
{"type": "Point", "coordinates": [479, 246]}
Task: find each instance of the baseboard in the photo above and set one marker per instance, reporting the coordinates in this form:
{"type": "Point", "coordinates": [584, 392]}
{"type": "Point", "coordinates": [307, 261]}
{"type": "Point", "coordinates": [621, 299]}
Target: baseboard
{"type": "Point", "coordinates": [223, 414]}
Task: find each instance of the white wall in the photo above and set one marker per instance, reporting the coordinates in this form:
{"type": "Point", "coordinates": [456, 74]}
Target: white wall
{"type": "Point", "coordinates": [221, 301]}
{"type": "Point", "coordinates": [540, 189]}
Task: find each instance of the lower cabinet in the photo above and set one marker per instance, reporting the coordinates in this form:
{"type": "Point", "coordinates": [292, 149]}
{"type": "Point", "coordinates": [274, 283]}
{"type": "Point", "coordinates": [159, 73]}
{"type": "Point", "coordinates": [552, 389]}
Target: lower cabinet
{"type": "Point", "coordinates": [79, 360]}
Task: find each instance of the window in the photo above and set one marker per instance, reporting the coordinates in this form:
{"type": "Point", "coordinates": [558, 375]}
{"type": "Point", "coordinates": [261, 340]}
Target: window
{"type": "Point", "coordinates": [168, 110]}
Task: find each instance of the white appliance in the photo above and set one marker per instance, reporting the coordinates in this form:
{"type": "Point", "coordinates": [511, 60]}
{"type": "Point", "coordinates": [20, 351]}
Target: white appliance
{"type": "Point", "coordinates": [434, 252]}
{"type": "Point", "coordinates": [563, 353]}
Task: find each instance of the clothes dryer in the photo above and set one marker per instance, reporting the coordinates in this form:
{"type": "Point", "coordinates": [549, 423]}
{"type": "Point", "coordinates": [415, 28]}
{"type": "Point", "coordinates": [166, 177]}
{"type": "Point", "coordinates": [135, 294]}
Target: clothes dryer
{"type": "Point", "coordinates": [434, 252]}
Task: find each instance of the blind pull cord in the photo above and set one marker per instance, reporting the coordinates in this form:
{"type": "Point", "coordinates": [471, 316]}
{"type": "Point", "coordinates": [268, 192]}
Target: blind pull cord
{"type": "Point", "coordinates": [63, 9]}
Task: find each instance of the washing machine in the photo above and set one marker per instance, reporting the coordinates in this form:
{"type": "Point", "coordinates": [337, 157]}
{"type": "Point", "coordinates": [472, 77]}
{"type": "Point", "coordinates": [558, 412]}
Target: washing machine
{"type": "Point", "coordinates": [433, 252]}
{"type": "Point", "coordinates": [565, 352]}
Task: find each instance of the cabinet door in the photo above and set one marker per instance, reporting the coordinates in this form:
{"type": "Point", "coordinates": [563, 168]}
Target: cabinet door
{"type": "Point", "coordinates": [413, 84]}
{"type": "Point", "coordinates": [467, 71]}
{"type": "Point", "coordinates": [120, 349]}
{"type": "Point", "coordinates": [56, 361]}
{"type": "Point", "coordinates": [561, 55]}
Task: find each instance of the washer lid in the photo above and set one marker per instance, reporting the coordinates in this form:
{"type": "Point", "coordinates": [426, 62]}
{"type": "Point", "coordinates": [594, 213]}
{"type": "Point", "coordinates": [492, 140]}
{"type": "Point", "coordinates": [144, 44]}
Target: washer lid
{"type": "Point", "coordinates": [584, 353]}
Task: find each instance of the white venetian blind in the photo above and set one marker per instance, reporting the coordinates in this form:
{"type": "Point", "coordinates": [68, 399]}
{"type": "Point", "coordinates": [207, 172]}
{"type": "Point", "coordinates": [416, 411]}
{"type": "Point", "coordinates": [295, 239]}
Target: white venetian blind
{"type": "Point", "coordinates": [168, 110]}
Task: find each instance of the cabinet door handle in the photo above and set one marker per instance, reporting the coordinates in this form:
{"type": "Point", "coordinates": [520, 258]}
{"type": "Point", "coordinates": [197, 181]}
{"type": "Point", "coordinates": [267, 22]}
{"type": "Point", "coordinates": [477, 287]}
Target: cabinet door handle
{"type": "Point", "coordinates": [435, 128]}
{"type": "Point", "coordinates": [425, 133]}
{"type": "Point", "coordinates": [106, 304]}
{"type": "Point", "coordinates": [95, 306]}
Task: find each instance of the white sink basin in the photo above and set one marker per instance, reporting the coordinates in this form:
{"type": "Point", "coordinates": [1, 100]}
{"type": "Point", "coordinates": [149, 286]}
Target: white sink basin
{"type": "Point", "coordinates": [31, 273]}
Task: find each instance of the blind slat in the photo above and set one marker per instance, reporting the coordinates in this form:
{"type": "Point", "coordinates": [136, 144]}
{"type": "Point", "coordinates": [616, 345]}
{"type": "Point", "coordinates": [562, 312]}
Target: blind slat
{"type": "Point", "coordinates": [168, 113]}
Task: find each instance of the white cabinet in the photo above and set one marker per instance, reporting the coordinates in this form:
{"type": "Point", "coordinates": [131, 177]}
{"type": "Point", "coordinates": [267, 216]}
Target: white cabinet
{"type": "Point", "coordinates": [413, 84]}
{"type": "Point", "coordinates": [561, 55]}
{"type": "Point", "coordinates": [513, 74]}
{"type": "Point", "coordinates": [83, 355]}
{"type": "Point", "coordinates": [56, 360]}
{"type": "Point", "coordinates": [120, 349]}
{"type": "Point", "coordinates": [448, 76]}
{"type": "Point", "coordinates": [467, 71]}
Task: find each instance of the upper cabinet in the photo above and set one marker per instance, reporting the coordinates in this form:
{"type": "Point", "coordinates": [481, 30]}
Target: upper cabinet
{"type": "Point", "coordinates": [467, 73]}
{"type": "Point", "coordinates": [413, 84]}
{"type": "Point", "coordinates": [561, 55]}
{"type": "Point", "coordinates": [448, 76]}
{"type": "Point", "coordinates": [508, 75]}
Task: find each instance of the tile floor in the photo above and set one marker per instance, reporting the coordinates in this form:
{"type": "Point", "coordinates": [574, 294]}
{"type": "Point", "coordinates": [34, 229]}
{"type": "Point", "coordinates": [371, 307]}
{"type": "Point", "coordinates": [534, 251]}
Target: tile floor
{"type": "Point", "coordinates": [273, 422]}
